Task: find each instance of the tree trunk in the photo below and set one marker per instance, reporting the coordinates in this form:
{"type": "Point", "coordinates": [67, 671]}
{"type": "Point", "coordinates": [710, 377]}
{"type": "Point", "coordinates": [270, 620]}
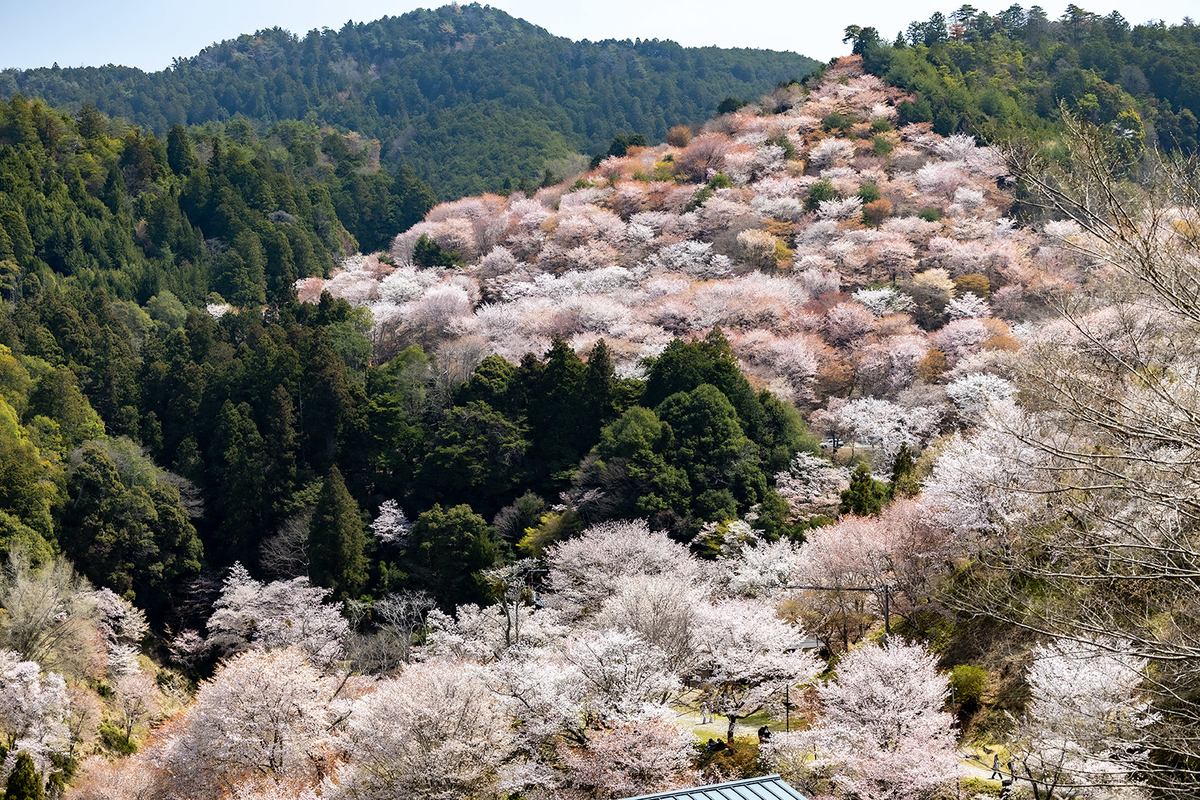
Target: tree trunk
{"type": "Point", "coordinates": [732, 722]}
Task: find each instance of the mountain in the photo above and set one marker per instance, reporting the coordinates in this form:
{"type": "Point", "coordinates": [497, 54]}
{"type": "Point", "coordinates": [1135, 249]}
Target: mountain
{"type": "Point", "coordinates": [1005, 75]}
{"type": "Point", "coordinates": [468, 95]}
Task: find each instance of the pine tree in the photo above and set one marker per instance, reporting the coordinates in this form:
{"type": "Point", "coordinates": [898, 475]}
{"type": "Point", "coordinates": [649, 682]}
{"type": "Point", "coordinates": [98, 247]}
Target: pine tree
{"type": "Point", "coordinates": [337, 539]}
{"type": "Point", "coordinates": [866, 496]}
{"type": "Point", "coordinates": [24, 783]}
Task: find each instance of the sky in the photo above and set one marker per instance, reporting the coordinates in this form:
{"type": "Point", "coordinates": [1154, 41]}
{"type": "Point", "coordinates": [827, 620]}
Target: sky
{"type": "Point", "coordinates": [150, 33]}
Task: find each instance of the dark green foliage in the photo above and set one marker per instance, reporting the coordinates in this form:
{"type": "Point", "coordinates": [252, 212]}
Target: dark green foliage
{"type": "Point", "coordinates": [427, 253]}
{"type": "Point", "coordinates": [1100, 67]}
{"type": "Point", "coordinates": [446, 550]}
{"type": "Point", "coordinates": [622, 142]}
{"type": "Point", "coordinates": [968, 684]}
{"type": "Point", "coordinates": [866, 496]}
{"type": "Point", "coordinates": [904, 475]}
{"type": "Point", "coordinates": [475, 451]}
{"type": "Point", "coordinates": [466, 94]}
{"type": "Point", "coordinates": [337, 540]}
{"type": "Point", "coordinates": [869, 192]}
{"type": "Point", "coordinates": [702, 453]}
{"type": "Point", "coordinates": [135, 217]}
{"type": "Point", "coordinates": [124, 525]}
{"type": "Point", "coordinates": [24, 782]}
{"type": "Point", "coordinates": [819, 192]}
{"type": "Point", "coordinates": [730, 104]}
{"type": "Point", "coordinates": [839, 122]}
{"type": "Point", "coordinates": [115, 740]}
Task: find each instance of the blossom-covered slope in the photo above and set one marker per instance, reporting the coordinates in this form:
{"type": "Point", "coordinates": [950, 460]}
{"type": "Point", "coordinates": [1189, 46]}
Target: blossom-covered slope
{"type": "Point", "coordinates": [869, 274]}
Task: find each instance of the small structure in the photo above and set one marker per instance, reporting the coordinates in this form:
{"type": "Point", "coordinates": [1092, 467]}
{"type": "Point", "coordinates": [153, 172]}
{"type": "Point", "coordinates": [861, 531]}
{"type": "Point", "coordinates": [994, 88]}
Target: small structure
{"type": "Point", "coordinates": [770, 787]}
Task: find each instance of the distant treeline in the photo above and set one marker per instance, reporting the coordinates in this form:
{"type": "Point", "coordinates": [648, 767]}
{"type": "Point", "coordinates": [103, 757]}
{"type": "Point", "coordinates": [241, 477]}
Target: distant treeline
{"type": "Point", "coordinates": [468, 95]}
{"type": "Point", "coordinates": [1006, 74]}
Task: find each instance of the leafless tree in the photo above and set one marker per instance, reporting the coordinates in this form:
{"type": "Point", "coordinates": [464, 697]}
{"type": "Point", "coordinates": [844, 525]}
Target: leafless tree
{"type": "Point", "coordinates": [1111, 550]}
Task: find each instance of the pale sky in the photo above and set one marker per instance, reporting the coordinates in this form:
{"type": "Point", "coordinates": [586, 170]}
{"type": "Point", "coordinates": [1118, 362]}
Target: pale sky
{"type": "Point", "coordinates": [149, 33]}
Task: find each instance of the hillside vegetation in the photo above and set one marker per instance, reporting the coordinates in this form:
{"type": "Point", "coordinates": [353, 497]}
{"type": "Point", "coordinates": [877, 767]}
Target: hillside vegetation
{"type": "Point", "coordinates": [810, 417]}
{"type": "Point", "coordinates": [1005, 74]}
{"type": "Point", "coordinates": [467, 95]}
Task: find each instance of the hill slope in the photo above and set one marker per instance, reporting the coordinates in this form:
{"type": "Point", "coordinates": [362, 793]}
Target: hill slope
{"type": "Point", "coordinates": [467, 94]}
{"type": "Point", "coordinates": [1005, 75]}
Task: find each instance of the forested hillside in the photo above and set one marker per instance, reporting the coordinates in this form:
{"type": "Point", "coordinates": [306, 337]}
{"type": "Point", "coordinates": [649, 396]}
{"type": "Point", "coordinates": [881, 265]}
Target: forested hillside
{"type": "Point", "coordinates": [110, 206]}
{"type": "Point", "coordinates": [467, 95]}
{"type": "Point", "coordinates": [1004, 74]}
{"type": "Point", "coordinates": [810, 421]}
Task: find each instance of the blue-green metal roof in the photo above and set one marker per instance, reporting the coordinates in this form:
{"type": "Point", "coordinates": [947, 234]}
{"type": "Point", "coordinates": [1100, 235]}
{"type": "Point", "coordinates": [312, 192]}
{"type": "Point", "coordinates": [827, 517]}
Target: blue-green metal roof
{"type": "Point", "coordinates": [771, 787]}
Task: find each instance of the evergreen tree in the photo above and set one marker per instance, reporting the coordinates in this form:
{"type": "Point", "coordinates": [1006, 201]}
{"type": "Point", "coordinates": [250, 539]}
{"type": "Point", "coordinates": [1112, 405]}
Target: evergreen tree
{"type": "Point", "coordinates": [446, 550]}
{"type": "Point", "coordinates": [866, 496]}
{"type": "Point", "coordinates": [180, 157]}
{"type": "Point", "coordinates": [24, 783]}
{"type": "Point", "coordinates": [904, 475]}
{"type": "Point", "coordinates": [337, 539]}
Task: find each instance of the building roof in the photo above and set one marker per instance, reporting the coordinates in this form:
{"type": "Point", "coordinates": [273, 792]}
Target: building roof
{"type": "Point", "coordinates": [770, 787]}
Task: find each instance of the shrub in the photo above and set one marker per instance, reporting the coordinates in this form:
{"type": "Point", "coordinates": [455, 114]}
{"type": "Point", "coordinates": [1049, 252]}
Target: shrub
{"type": "Point", "coordinates": [930, 214]}
{"type": "Point", "coordinates": [932, 366]}
{"type": "Point", "coordinates": [968, 683]}
{"type": "Point", "coordinates": [428, 253]}
{"type": "Point", "coordinates": [869, 192]}
{"type": "Point", "coordinates": [819, 192]}
{"type": "Point", "coordinates": [881, 145]}
{"type": "Point", "coordinates": [115, 739]}
{"type": "Point", "coordinates": [720, 181]}
{"type": "Point", "coordinates": [881, 125]}
{"type": "Point", "coordinates": [679, 136]}
{"type": "Point", "coordinates": [976, 284]}
{"type": "Point", "coordinates": [875, 212]}
{"type": "Point", "coordinates": [838, 121]}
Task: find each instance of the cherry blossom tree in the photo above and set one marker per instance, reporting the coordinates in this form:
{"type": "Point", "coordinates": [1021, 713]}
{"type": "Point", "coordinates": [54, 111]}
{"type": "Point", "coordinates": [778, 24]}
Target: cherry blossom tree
{"type": "Point", "coordinates": [628, 757]}
{"type": "Point", "coordinates": [812, 486]}
{"type": "Point", "coordinates": [1082, 733]}
{"type": "Point", "coordinates": [661, 609]}
{"type": "Point", "coordinates": [486, 633]}
{"type": "Point", "coordinates": [704, 156]}
{"type": "Point", "coordinates": [83, 718]}
{"type": "Point", "coordinates": [885, 426]}
{"type": "Point", "coordinates": [973, 394]}
{"type": "Point", "coordinates": [250, 614]}
{"type": "Point", "coordinates": [437, 731]}
{"type": "Point", "coordinates": [881, 732]}
{"type": "Point", "coordinates": [848, 208]}
{"type": "Point", "coordinates": [979, 483]}
{"type": "Point", "coordinates": [831, 152]}
{"type": "Point", "coordinates": [50, 616]}
{"type": "Point", "coordinates": [262, 714]}
{"type": "Point", "coordinates": [847, 322]}
{"type": "Point", "coordinates": [137, 700]}
{"type": "Point", "coordinates": [122, 626]}
{"type": "Point", "coordinates": [621, 672]}
{"type": "Point", "coordinates": [33, 710]}
{"type": "Point", "coordinates": [750, 657]}
{"type": "Point", "coordinates": [762, 570]}
{"type": "Point", "coordinates": [968, 305]}
{"type": "Point", "coordinates": [133, 778]}
{"type": "Point", "coordinates": [399, 617]}
{"type": "Point", "coordinates": [583, 570]}
{"type": "Point", "coordinates": [391, 526]}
